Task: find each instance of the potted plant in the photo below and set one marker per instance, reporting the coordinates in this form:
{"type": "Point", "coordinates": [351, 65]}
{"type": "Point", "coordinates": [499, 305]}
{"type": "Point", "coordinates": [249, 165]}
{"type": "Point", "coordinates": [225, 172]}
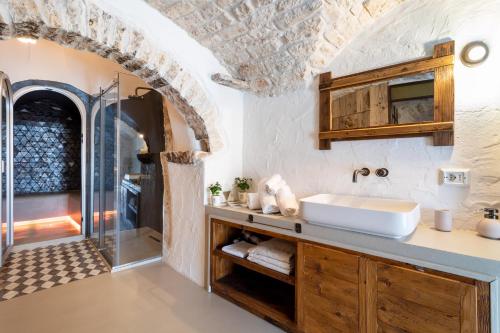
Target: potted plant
{"type": "Point", "coordinates": [243, 184]}
{"type": "Point", "coordinates": [216, 194]}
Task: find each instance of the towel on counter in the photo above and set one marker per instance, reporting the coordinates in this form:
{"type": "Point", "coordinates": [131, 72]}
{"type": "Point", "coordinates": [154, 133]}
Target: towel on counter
{"type": "Point", "coordinates": [273, 184]}
{"type": "Point", "coordinates": [270, 266]}
{"type": "Point", "coordinates": [239, 249]}
{"type": "Point", "coordinates": [287, 202]}
{"type": "Point", "coordinates": [275, 248]}
{"type": "Point", "coordinates": [267, 201]}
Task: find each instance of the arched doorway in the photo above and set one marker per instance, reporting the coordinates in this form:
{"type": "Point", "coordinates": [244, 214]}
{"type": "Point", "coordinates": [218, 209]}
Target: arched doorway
{"type": "Point", "coordinates": [49, 164]}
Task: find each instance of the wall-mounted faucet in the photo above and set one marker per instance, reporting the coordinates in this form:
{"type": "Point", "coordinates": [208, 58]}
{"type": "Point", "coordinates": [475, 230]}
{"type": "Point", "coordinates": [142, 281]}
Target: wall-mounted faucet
{"type": "Point", "coordinates": [364, 172]}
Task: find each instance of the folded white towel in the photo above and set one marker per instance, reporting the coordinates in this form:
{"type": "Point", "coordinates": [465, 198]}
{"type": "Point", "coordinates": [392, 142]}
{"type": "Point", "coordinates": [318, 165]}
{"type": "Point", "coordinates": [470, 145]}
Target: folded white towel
{"type": "Point", "coordinates": [273, 184]}
{"type": "Point", "coordinates": [287, 202]}
{"type": "Point", "coordinates": [270, 266]}
{"type": "Point", "coordinates": [285, 265]}
{"type": "Point", "coordinates": [276, 249]}
{"type": "Point", "coordinates": [267, 201]}
{"type": "Point", "coordinates": [239, 249]}
{"type": "Point", "coordinates": [253, 201]}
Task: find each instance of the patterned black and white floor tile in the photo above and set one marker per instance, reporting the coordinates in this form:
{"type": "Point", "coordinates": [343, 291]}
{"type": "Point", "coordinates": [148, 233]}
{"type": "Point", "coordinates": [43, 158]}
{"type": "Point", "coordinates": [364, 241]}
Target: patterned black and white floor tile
{"type": "Point", "coordinates": [29, 271]}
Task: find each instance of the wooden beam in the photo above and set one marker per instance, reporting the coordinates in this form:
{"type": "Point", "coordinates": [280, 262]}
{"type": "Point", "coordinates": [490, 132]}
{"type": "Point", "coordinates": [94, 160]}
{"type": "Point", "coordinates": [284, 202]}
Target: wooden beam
{"type": "Point", "coordinates": [385, 131]}
{"type": "Point", "coordinates": [389, 72]}
{"type": "Point", "coordinates": [444, 98]}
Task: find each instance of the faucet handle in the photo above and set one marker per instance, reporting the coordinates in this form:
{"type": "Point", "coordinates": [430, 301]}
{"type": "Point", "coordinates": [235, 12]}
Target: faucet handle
{"type": "Point", "coordinates": [382, 172]}
{"type": "Point", "coordinates": [364, 171]}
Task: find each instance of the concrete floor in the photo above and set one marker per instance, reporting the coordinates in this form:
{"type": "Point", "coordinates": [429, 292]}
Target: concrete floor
{"type": "Point", "coordinates": [152, 298]}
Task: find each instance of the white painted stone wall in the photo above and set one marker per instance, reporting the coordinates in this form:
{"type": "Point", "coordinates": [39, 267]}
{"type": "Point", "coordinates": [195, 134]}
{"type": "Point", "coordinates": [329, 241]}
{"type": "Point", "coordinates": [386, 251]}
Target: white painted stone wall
{"type": "Point", "coordinates": [185, 238]}
{"type": "Point", "coordinates": [280, 133]}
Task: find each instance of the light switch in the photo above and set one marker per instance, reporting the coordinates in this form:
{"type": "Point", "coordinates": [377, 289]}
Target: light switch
{"type": "Point", "coordinates": [454, 176]}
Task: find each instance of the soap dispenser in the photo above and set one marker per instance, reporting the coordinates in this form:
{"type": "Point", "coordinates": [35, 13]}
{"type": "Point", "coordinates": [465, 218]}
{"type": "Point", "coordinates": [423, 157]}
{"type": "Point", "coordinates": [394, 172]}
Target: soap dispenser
{"type": "Point", "coordinates": [489, 226]}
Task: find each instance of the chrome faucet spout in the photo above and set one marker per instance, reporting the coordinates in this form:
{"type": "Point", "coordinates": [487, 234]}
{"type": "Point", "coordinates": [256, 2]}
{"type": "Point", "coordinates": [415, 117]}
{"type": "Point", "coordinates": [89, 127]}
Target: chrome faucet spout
{"type": "Point", "coordinates": [364, 172]}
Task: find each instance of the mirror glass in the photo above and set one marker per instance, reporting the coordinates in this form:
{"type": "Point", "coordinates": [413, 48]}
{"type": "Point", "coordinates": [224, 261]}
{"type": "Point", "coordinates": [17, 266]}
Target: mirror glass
{"type": "Point", "coordinates": [405, 100]}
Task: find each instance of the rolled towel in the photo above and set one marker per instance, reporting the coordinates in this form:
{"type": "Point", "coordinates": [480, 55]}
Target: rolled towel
{"type": "Point", "coordinates": [267, 201]}
{"type": "Point", "coordinates": [273, 184]}
{"type": "Point", "coordinates": [269, 204]}
{"type": "Point", "coordinates": [253, 201]}
{"type": "Point", "coordinates": [287, 202]}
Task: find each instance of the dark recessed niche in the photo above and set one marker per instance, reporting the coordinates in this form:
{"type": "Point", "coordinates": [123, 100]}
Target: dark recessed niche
{"type": "Point", "coordinates": [47, 144]}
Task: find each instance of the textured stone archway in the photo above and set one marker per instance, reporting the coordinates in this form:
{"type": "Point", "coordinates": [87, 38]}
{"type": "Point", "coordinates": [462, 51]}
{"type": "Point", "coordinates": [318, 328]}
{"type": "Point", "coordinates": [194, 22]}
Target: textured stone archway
{"type": "Point", "coordinates": [82, 25]}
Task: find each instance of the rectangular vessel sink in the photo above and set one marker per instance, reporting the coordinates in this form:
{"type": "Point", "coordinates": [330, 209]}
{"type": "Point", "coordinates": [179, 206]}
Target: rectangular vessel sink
{"type": "Point", "coordinates": [381, 217]}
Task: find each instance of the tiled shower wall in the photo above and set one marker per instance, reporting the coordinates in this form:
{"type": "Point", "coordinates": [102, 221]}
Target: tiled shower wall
{"type": "Point", "coordinates": [46, 148]}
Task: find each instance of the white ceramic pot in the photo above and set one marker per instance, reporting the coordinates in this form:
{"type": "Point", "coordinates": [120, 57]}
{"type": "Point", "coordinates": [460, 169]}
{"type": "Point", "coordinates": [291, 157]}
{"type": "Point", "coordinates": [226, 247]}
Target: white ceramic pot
{"type": "Point", "coordinates": [217, 200]}
{"type": "Point", "coordinates": [443, 220]}
{"type": "Point", "coordinates": [243, 197]}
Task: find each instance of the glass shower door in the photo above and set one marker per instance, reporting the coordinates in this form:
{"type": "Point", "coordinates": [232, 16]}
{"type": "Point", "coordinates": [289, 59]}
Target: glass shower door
{"type": "Point", "coordinates": [6, 220]}
{"type": "Point", "coordinates": [104, 174]}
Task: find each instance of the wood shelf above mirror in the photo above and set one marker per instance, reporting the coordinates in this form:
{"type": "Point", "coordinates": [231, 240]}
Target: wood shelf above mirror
{"type": "Point", "coordinates": [410, 99]}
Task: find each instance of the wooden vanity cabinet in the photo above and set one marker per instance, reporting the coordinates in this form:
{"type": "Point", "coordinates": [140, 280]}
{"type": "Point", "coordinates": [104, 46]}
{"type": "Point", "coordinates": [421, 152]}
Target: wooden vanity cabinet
{"type": "Point", "coordinates": [345, 292]}
{"type": "Point", "coordinates": [337, 290]}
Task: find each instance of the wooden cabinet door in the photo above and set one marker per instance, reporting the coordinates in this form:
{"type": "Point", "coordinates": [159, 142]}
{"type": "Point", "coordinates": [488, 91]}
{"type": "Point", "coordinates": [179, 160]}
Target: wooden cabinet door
{"type": "Point", "coordinates": [328, 290]}
{"type": "Point", "coordinates": [404, 300]}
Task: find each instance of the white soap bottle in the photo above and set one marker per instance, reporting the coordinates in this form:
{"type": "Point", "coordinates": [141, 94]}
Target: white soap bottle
{"type": "Point", "coordinates": [489, 226]}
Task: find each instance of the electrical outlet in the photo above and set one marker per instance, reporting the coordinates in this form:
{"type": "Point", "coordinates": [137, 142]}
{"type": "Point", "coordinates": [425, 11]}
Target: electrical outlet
{"type": "Point", "coordinates": [454, 176]}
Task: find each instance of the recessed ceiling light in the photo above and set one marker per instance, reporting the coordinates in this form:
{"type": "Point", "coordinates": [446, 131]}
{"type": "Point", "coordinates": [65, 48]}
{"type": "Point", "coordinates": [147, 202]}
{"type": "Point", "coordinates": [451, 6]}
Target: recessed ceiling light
{"type": "Point", "coordinates": [27, 39]}
{"type": "Point", "coordinates": [474, 53]}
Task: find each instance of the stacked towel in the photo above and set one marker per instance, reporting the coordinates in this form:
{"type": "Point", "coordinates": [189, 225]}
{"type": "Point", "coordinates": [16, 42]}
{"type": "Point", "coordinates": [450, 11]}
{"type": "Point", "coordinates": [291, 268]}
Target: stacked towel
{"type": "Point", "coordinates": [275, 254]}
{"type": "Point", "coordinates": [267, 201]}
{"type": "Point", "coordinates": [239, 249]}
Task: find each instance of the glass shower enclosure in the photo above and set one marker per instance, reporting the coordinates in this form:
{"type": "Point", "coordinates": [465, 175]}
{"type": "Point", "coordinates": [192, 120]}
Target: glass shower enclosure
{"type": "Point", "coordinates": [121, 186]}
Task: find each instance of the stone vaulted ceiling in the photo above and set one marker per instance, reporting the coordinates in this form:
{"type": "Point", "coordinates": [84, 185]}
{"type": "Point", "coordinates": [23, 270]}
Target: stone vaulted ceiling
{"type": "Point", "coordinates": [272, 46]}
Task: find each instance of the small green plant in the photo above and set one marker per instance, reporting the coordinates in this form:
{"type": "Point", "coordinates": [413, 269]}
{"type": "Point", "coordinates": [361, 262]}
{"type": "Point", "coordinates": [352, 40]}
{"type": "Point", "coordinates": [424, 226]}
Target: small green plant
{"type": "Point", "coordinates": [215, 189]}
{"type": "Point", "coordinates": [243, 184]}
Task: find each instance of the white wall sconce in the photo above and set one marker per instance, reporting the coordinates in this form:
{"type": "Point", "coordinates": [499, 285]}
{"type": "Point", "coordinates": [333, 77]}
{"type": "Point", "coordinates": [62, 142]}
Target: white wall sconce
{"type": "Point", "coordinates": [474, 53]}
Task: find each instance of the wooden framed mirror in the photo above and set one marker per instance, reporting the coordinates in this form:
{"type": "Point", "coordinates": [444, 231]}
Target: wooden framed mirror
{"type": "Point", "coordinates": [415, 98]}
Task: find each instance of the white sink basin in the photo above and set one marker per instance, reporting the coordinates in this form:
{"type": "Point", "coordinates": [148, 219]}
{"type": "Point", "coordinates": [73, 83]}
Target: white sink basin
{"type": "Point", "coordinates": [382, 217]}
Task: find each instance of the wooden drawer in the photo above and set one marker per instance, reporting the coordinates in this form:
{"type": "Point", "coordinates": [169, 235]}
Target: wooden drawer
{"type": "Point", "coordinates": [329, 290]}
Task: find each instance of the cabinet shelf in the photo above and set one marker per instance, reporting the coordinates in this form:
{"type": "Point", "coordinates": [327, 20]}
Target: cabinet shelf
{"type": "Point", "coordinates": [259, 294]}
{"type": "Point", "coordinates": [289, 279]}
